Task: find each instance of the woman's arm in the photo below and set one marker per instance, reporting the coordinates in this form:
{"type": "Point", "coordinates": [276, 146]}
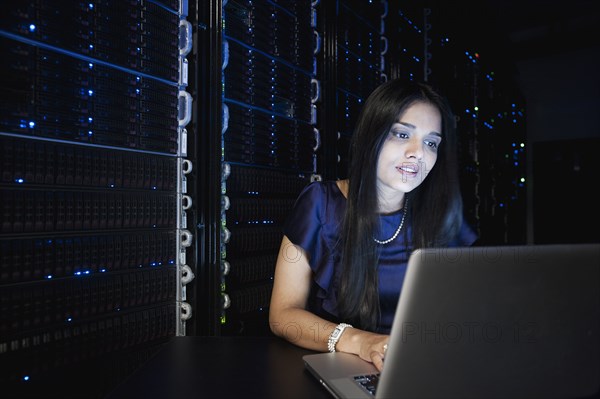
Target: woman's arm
{"type": "Point", "coordinates": [289, 318]}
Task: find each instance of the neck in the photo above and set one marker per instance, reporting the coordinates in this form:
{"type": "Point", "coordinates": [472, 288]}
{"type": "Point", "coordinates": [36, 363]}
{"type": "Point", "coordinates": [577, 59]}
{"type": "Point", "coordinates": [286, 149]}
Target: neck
{"type": "Point", "coordinates": [391, 205]}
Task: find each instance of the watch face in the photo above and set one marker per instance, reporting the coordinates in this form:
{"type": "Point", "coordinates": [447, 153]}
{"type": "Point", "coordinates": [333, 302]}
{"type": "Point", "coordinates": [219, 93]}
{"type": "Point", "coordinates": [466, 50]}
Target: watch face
{"type": "Point", "coordinates": [336, 333]}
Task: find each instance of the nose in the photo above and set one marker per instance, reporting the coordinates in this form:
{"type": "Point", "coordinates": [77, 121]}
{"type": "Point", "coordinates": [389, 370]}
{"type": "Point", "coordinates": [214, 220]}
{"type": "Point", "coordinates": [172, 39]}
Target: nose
{"type": "Point", "coordinates": [414, 149]}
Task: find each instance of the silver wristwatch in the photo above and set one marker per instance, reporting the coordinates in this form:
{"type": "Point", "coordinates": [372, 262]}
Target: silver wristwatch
{"type": "Point", "coordinates": [335, 335]}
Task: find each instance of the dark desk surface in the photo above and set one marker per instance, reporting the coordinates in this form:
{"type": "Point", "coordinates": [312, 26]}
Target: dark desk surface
{"type": "Point", "coordinates": [224, 367]}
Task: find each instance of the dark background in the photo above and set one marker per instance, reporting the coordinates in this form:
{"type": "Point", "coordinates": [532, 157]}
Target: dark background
{"type": "Point", "coordinates": [555, 49]}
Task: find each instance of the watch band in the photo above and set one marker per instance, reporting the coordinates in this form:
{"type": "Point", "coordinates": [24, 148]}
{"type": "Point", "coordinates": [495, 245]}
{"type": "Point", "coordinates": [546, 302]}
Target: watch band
{"type": "Point", "coordinates": [335, 335]}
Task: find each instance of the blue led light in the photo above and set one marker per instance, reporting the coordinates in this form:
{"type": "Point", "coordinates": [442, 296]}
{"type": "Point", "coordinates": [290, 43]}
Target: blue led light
{"type": "Point", "coordinates": [19, 180]}
{"type": "Point", "coordinates": [69, 319]}
{"type": "Point", "coordinates": [91, 5]}
{"type": "Point", "coordinates": [90, 65]}
{"type": "Point", "coordinates": [49, 276]}
{"type": "Point", "coordinates": [91, 92]}
{"type": "Point", "coordinates": [32, 28]}
{"type": "Point", "coordinates": [90, 119]}
{"type": "Point", "coordinates": [77, 273]}
{"type": "Point", "coordinates": [31, 125]}
{"type": "Point", "coordinates": [102, 270]}
{"type": "Point", "coordinates": [26, 378]}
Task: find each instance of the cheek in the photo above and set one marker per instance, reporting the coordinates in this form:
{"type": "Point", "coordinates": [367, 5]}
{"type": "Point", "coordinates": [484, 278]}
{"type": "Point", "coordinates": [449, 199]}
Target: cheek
{"type": "Point", "coordinates": [430, 162]}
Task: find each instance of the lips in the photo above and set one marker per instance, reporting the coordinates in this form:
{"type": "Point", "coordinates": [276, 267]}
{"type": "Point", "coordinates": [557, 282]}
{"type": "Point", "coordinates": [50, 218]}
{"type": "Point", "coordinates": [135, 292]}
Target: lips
{"type": "Point", "coordinates": [408, 168]}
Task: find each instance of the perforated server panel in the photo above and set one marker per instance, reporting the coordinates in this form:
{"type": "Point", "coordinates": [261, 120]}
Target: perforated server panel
{"type": "Point", "coordinates": [91, 116]}
{"type": "Point", "coordinates": [479, 77]}
{"type": "Point", "coordinates": [350, 67]}
{"type": "Point", "coordinates": [268, 143]}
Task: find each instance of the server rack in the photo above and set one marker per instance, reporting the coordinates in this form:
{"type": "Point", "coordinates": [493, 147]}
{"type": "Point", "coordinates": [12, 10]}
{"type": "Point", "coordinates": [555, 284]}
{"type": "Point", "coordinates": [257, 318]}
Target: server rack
{"type": "Point", "coordinates": [93, 236]}
{"type": "Point", "coordinates": [489, 108]}
{"type": "Point", "coordinates": [267, 147]}
{"type": "Point", "coordinates": [351, 66]}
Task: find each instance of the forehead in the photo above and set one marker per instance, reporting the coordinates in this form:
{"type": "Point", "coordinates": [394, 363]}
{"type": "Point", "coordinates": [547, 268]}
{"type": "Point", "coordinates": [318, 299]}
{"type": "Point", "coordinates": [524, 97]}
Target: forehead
{"type": "Point", "coordinates": [422, 115]}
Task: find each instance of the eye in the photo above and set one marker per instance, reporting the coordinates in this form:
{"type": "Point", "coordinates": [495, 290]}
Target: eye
{"type": "Point", "coordinates": [432, 144]}
{"type": "Point", "coordinates": [399, 134]}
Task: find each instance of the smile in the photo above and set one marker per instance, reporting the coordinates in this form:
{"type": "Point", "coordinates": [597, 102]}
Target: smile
{"type": "Point", "coordinates": [410, 169]}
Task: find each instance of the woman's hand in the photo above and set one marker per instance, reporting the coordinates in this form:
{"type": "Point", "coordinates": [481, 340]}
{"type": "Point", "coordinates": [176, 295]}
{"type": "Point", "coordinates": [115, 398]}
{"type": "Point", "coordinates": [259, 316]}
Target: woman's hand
{"type": "Point", "coordinates": [367, 345]}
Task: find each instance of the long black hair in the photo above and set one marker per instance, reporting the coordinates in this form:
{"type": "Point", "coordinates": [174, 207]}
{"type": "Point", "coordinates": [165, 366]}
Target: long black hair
{"type": "Point", "coordinates": [435, 210]}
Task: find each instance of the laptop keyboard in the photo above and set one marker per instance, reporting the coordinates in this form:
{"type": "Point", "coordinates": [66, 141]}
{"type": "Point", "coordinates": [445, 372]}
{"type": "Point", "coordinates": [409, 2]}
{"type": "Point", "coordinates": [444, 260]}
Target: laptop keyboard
{"type": "Point", "coordinates": [368, 382]}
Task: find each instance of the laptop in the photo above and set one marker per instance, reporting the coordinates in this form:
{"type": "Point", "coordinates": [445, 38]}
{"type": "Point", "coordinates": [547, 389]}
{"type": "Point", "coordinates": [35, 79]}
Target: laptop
{"type": "Point", "coordinates": [485, 322]}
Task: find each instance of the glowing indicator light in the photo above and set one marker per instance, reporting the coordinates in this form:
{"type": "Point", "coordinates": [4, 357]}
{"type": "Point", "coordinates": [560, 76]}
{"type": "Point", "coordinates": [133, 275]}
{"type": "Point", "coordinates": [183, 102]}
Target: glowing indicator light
{"type": "Point", "coordinates": [19, 180]}
{"type": "Point", "coordinates": [91, 92]}
{"type": "Point", "coordinates": [26, 378]}
{"type": "Point", "coordinates": [32, 28]}
{"type": "Point", "coordinates": [522, 180]}
{"type": "Point", "coordinates": [49, 276]}
{"type": "Point", "coordinates": [31, 125]}
{"type": "Point", "coordinates": [522, 145]}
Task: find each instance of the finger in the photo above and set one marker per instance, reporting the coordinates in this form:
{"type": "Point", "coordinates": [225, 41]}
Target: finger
{"type": "Point", "coordinates": [377, 360]}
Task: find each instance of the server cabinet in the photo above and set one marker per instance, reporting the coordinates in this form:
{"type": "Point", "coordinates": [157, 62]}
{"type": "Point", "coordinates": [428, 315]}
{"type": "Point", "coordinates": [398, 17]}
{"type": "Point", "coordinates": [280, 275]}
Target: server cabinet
{"type": "Point", "coordinates": [93, 234]}
{"type": "Point", "coordinates": [267, 148]}
{"type": "Point", "coordinates": [475, 72]}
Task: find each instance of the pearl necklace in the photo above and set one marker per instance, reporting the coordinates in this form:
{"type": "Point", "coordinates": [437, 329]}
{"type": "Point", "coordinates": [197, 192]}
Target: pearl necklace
{"type": "Point", "coordinates": [392, 238]}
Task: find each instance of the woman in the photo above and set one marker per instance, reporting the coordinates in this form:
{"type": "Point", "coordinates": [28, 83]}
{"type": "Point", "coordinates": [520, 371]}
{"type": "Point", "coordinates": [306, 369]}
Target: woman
{"type": "Point", "coordinates": [346, 243]}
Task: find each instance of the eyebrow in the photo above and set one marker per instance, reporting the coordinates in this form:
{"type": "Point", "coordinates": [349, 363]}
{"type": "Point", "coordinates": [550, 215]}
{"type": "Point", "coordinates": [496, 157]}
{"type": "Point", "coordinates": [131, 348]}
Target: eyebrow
{"type": "Point", "coordinates": [411, 126]}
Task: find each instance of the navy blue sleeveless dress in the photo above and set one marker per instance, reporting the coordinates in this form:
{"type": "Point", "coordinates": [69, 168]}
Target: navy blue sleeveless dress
{"type": "Point", "coordinates": [314, 225]}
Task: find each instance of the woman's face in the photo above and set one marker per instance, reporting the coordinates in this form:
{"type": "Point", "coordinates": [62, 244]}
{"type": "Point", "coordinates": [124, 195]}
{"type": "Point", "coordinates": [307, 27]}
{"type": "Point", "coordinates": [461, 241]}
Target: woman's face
{"type": "Point", "coordinates": [409, 152]}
